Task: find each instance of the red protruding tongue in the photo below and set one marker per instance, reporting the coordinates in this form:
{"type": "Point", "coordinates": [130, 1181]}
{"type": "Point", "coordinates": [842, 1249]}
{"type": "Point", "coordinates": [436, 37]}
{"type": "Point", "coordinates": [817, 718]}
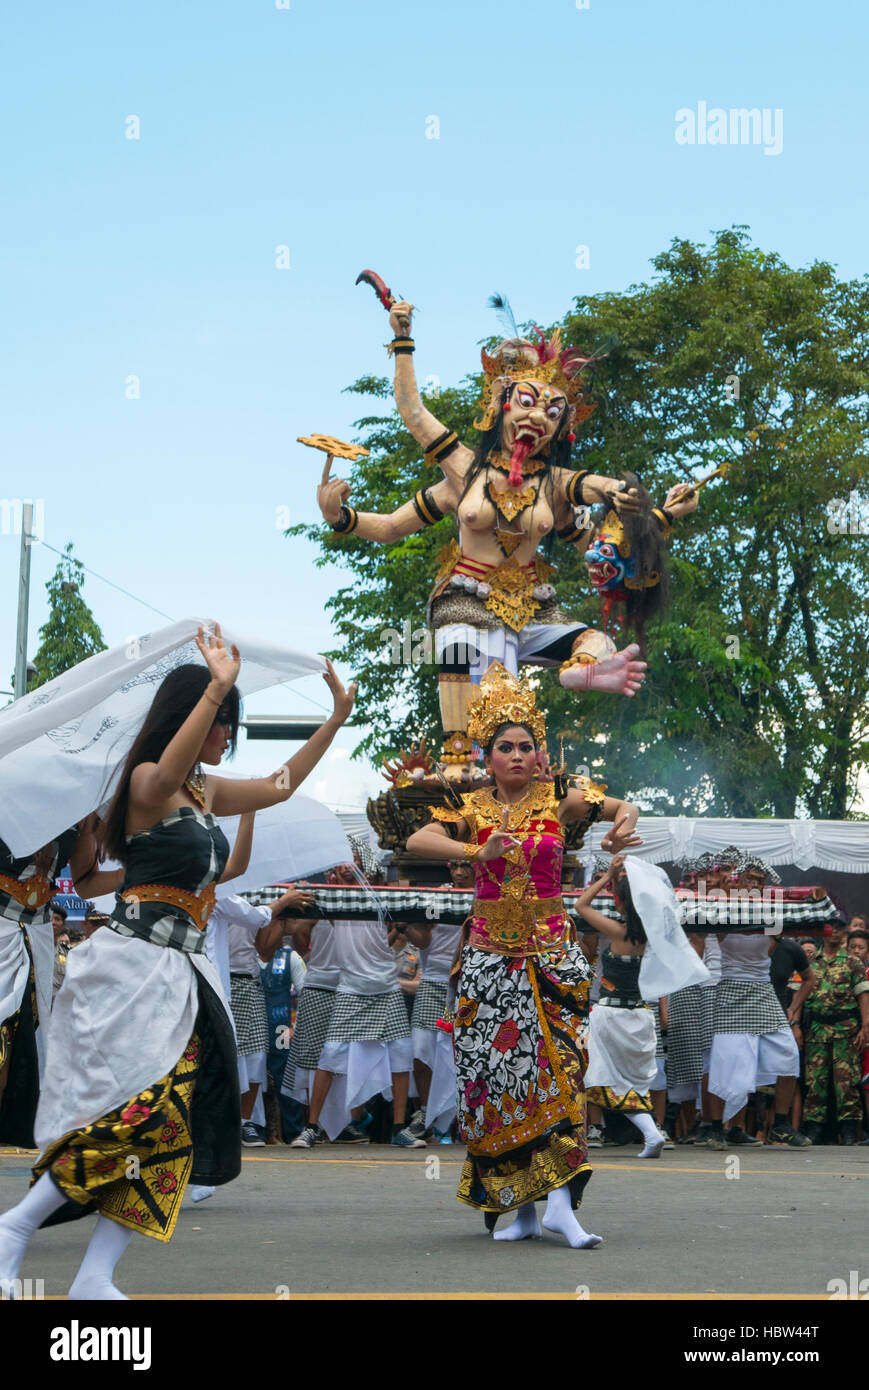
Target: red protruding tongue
{"type": "Point", "coordinates": [521, 449]}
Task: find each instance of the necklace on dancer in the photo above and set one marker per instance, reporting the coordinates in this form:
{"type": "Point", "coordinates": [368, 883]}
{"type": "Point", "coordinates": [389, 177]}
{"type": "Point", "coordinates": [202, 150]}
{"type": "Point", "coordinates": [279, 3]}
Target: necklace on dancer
{"type": "Point", "coordinates": [195, 784]}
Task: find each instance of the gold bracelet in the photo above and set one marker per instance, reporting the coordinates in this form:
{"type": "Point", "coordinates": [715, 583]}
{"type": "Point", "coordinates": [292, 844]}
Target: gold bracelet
{"type": "Point", "coordinates": [471, 851]}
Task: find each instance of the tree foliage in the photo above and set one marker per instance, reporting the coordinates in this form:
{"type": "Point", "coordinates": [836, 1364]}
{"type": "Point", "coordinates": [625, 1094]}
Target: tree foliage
{"type": "Point", "coordinates": [756, 698]}
{"type": "Point", "coordinates": [70, 633]}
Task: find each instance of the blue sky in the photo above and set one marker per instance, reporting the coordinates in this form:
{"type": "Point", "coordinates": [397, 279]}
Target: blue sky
{"type": "Point", "coordinates": [306, 127]}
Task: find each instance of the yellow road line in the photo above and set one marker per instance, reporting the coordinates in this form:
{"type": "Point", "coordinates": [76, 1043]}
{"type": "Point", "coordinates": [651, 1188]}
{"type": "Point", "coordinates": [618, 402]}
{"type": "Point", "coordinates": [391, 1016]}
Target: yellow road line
{"type": "Point", "coordinates": [597, 1167]}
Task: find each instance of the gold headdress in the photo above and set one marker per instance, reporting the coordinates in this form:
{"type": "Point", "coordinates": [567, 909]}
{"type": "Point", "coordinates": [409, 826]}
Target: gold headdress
{"type": "Point", "coordinates": [501, 699]}
{"type": "Point", "coordinates": [518, 359]}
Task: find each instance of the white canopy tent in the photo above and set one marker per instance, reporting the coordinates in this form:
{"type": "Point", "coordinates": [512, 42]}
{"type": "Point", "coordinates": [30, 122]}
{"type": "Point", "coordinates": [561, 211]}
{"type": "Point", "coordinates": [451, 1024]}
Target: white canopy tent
{"type": "Point", "coordinates": [840, 845]}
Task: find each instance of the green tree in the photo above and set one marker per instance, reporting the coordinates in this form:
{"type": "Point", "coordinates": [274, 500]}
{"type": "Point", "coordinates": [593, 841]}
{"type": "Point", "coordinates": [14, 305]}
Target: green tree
{"type": "Point", "coordinates": [70, 634]}
{"type": "Point", "coordinates": [756, 697]}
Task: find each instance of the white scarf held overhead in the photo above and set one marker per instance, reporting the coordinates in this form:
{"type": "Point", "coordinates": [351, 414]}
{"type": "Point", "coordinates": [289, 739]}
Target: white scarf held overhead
{"type": "Point", "coordinates": [669, 961]}
{"type": "Point", "coordinates": [61, 746]}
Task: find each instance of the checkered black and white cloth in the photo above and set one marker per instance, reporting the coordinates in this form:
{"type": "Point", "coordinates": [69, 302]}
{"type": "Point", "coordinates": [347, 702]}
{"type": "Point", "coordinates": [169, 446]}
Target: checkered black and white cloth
{"type": "Point", "coordinates": [689, 1033]}
{"type": "Point", "coordinates": [313, 1017]}
{"type": "Point", "coordinates": [454, 905]}
{"type": "Point", "coordinates": [659, 1036]}
{"type": "Point", "coordinates": [369, 1018]}
{"type": "Point", "coordinates": [747, 1006]}
{"type": "Point", "coordinates": [248, 1005]}
{"type": "Point", "coordinates": [429, 1003]}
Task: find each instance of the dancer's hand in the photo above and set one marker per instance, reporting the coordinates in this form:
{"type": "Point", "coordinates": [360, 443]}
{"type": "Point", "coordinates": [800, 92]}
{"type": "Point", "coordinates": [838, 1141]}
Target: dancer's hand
{"type": "Point", "coordinates": [401, 319]}
{"type": "Point", "coordinates": [500, 840]}
{"type": "Point", "coordinates": [621, 836]}
{"type": "Point", "coordinates": [342, 699]}
{"type": "Point", "coordinates": [332, 494]}
{"type": "Point", "coordinates": [224, 665]}
{"type": "Point", "coordinates": [545, 771]}
{"type": "Point", "coordinates": [681, 499]}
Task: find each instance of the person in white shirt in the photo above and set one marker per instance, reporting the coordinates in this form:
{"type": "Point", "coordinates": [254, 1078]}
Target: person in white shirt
{"type": "Point", "coordinates": [251, 934]}
{"type": "Point", "coordinates": [314, 940]}
{"type": "Point", "coordinates": [752, 1043]}
{"type": "Point", "coordinates": [439, 946]}
{"type": "Point", "coordinates": [368, 1046]}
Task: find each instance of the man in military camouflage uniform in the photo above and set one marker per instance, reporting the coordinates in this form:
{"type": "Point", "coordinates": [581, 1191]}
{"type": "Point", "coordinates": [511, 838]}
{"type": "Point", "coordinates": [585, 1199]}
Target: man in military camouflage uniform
{"type": "Point", "coordinates": [836, 1032]}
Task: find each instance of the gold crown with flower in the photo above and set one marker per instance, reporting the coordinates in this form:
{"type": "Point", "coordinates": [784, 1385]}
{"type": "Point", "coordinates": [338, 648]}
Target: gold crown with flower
{"type": "Point", "coordinates": [518, 359]}
{"type": "Point", "coordinates": [502, 699]}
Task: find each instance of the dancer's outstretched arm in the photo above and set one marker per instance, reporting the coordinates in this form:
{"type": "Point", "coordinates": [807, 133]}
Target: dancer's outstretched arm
{"type": "Point", "coordinates": [229, 798]}
{"type": "Point", "coordinates": [614, 929]}
{"type": "Point", "coordinates": [152, 784]}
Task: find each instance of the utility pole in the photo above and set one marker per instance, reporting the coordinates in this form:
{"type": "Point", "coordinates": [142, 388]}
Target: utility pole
{"type": "Point", "coordinates": [23, 601]}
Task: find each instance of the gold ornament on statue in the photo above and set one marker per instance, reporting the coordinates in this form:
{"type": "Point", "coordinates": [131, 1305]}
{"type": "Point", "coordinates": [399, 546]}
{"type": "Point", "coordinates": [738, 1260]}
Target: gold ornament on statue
{"type": "Point", "coordinates": [518, 359]}
{"type": "Point", "coordinates": [336, 448]}
{"type": "Point", "coordinates": [502, 699]}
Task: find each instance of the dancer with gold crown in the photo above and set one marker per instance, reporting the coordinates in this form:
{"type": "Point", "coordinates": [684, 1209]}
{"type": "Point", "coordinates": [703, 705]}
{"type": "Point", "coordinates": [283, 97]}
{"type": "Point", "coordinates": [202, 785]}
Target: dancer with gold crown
{"type": "Point", "coordinates": [523, 983]}
{"type": "Point", "coordinates": [492, 599]}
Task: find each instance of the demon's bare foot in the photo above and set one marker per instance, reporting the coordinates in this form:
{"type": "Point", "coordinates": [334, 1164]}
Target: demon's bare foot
{"type": "Point", "coordinates": [619, 674]}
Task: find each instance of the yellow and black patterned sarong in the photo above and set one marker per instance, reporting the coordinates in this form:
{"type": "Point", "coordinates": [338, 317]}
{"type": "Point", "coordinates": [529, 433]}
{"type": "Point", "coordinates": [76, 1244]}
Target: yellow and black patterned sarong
{"type": "Point", "coordinates": [631, 1101]}
{"type": "Point", "coordinates": [133, 1164]}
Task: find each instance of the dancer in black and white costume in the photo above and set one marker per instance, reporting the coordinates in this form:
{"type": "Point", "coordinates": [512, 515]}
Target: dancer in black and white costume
{"type": "Point", "coordinates": [622, 1043]}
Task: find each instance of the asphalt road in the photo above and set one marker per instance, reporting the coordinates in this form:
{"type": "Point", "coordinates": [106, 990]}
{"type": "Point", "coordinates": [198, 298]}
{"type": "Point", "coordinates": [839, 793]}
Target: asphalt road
{"type": "Point", "coordinates": [340, 1222]}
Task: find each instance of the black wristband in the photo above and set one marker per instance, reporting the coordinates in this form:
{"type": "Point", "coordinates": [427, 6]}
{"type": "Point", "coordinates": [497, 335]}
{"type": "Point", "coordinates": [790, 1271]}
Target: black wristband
{"type": "Point", "coordinates": [348, 520]}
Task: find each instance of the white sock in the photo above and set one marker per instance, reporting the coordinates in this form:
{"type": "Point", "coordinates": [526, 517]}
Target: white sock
{"type": "Point", "coordinates": [200, 1193]}
{"type": "Point", "coordinates": [19, 1222]}
{"type": "Point", "coordinates": [561, 1218]}
{"type": "Point", "coordinates": [525, 1225]}
{"type": "Point", "coordinates": [107, 1245]}
{"type": "Point", "coordinates": [645, 1124]}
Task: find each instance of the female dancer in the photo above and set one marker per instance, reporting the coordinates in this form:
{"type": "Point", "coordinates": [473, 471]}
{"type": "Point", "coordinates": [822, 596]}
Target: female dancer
{"type": "Point", "coordinates": [141, 1017]}
{"type": "Point", "coordinates": [523, 984]}
{"type": "Point", "coordinates": [621, 1035]}
{"type": "Point", "coordinates": [27, 965]}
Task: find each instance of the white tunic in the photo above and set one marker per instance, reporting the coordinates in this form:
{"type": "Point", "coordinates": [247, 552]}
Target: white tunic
{"type": "Point", "coordinates": [366, 962]}
{"type": "Point", "coordinates": [437, 959]}
{"type": "Point", "coordinates": [322, 960]}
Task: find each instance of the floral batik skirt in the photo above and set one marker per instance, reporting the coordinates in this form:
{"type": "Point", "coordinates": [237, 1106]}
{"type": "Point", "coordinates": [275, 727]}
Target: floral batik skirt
{"type": "Point", "coordinates": [133, 1164]}
{"type": "Point", "coordinates": [520, 1061]}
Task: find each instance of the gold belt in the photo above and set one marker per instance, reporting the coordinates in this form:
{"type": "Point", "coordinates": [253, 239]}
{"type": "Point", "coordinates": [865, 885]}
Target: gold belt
{"type": "Point", "coordinates": [31, 892]}
{"type": "Point", "coordinates": [198, 906]}
{"type": "Point", "coordinates": [509, 924]}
